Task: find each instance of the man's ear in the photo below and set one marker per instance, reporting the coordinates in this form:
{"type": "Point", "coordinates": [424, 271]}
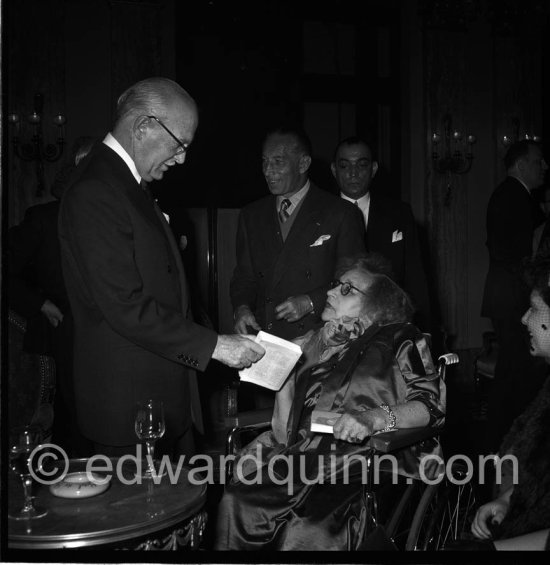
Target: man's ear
{"type": "Point", "coordinates": [520, 164]}
{"type": "Point", "coordinates": [141, 125]}
{"type": "Point", "coordinates": [305, 163]}
{"type": "Point", "coordinates": [374, 168]}
{"type": "Point", "coordinates": [333, 169]}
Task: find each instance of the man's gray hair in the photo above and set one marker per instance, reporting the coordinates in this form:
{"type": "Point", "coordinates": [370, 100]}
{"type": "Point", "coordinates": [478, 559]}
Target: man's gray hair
{"type": "Point", "coordinates": [148, 96]}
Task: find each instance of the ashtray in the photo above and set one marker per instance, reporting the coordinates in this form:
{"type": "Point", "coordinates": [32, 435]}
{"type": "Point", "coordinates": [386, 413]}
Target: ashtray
{"type": "Point", "coordinates": [80, 485]}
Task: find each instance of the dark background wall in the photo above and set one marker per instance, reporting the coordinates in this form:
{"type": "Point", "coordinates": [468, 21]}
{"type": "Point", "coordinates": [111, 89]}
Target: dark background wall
{"type": "Point", "coordinates": [387, 70]}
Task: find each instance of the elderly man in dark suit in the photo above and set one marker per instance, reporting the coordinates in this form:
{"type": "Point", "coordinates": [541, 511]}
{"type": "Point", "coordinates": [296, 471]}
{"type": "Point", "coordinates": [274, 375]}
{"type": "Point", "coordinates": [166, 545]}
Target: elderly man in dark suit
{"type": "Point", "coordinates": [512, 216]}
{"type": "Point", "coordinates": [289, 243]}
{"type": "Point", "coordinates": [390, 225]}
{"type": "Point", "coordinates": [134, 339]}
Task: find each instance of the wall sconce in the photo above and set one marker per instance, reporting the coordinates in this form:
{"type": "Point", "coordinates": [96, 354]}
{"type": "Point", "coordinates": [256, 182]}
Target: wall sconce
{"type": "Point", "coordinates": [36, 149]}
{"type": "Point", "coordinates": [457, 155]}
{"type": "Point", "coordinates": [514, 136]}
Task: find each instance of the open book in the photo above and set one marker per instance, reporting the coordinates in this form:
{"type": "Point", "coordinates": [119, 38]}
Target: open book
{"type": "Point", "coordinates": [272, 370]}
{"type": "Point", "coordinates": [322, 421]}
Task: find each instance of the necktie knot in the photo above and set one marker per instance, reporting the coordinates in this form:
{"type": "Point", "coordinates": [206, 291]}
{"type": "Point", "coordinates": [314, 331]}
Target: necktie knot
{"type": "Point", "coordinates": [283, 210]}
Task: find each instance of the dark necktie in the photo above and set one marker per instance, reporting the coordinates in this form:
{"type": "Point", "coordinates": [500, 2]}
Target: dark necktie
{"type": "Point", "coordinates": [145, 187]}
{"type": "Point", "coordinates": [283, 211]}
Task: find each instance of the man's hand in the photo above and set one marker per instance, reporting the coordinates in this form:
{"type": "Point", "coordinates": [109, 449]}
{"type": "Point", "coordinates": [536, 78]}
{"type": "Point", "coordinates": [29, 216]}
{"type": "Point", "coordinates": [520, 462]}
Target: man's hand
{"type": "Point", "coordinates": [294, 308]}
{"type": "Point", "coordinates": [52, 312]}
{"type": "Point", "coordinates": [243, 318]}
{"type": "Point", "coordinates": [237, 351]}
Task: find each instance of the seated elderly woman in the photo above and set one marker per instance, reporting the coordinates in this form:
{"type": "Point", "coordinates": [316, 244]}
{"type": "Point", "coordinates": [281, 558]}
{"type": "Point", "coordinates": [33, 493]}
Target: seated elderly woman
{"type": "Point", "coordinates": [519, 518]}
{"type": "Point", "coordinates": [298, 489]}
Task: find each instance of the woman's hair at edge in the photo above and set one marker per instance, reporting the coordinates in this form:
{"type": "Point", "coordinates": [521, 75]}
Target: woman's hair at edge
{"type": "Point", "coordinates": [537, 276]}
{"type": "Point", "coordinates": [385, 302]}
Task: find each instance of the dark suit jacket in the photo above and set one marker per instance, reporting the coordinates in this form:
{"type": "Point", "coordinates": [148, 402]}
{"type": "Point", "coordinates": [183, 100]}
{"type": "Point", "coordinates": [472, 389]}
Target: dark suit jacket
{"type": "Point", "coordinates": [35, 275]}
{"type": "Point", "coordinates": [269, 270]}
{"type": "Point", "coordinates": [127, 287]}
{"type": "Point", "coordinates": [512, 216]}
{"type": "Point", "coordinates": [391, 220]}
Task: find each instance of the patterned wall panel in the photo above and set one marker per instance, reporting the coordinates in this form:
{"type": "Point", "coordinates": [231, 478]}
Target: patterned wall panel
{"type": "Point", "coordinates": [446, 199]}
{"type": "Point", "coordinates": [35, 63]}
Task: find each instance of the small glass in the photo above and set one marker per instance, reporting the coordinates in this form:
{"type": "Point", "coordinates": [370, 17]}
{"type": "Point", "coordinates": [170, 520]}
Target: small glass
{"type": "Point", "coordinates": [150, 426]}
{"type": "Point", "coordinates": [22, 443]}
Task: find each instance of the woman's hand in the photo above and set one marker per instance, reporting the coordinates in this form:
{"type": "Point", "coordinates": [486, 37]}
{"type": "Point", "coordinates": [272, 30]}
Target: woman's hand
{"type": "Point", "coordinates": [494, 511]}
{"type": "Point", "coordinates": [356, 426]}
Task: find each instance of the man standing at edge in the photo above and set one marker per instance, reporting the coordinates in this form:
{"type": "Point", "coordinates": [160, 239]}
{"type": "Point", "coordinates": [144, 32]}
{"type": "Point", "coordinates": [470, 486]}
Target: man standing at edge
{"type": "Point", "coordinates": [134, 339]}
{"type": "Point", "coordinates": [512, 216]}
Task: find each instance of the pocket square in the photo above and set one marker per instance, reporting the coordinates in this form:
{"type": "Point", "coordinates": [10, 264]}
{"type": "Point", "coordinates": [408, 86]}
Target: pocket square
{"type": "Point", "coordinates": [320, 240]}
{"type": "Point", "coordinates": [396, 236]}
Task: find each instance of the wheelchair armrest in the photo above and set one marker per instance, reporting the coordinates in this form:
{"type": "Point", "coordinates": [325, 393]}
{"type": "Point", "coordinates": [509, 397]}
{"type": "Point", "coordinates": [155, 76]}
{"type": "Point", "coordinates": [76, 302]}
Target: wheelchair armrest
{"type": "Point", "coordinates": [387, 442]}
{"type": "Point", "coordinates": [251, 417]}
{"type": "Point", "coordinates": [233, 443]}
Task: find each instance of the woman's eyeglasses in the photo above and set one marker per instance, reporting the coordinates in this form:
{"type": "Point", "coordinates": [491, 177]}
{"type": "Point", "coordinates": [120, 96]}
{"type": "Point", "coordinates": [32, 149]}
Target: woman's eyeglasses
{"type": "Point", "coordinates": [345, 287]}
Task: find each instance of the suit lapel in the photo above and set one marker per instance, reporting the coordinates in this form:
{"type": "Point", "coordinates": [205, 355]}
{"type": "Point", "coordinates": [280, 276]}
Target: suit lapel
{"type": "Point", "coordinates": [150, 212]}
{"type": "Point", "coordinates": [304, 231]}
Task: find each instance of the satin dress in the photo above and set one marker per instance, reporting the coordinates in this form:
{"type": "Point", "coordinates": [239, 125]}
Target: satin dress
{"type": "Point", "coordinates": [306, 493]}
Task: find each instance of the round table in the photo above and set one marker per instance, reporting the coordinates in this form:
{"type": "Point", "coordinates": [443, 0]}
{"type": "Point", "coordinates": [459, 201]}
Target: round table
{"type": "Point", "coordinates": [142, 516]}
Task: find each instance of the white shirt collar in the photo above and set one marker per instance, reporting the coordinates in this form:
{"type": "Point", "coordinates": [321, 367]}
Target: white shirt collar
{"type": "Point", "coordinates": [295, 198]}
{"type": "Point", "coordinates": [363, 203]}
{"type": "Point", "coordinates": [519, 180]}
{"type": "Point", "coordinates": [111, 142]}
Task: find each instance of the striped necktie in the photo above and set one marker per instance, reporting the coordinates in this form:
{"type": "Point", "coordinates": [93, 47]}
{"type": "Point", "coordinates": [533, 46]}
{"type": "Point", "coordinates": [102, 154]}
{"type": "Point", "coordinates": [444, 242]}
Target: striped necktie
{"type": "Point", "coordinates": [283, 211]}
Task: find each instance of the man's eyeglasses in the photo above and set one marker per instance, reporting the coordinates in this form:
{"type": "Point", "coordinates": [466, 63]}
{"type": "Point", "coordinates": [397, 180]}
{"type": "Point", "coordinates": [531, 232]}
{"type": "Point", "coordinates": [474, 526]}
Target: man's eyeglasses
{"type": "Point", "coordinates": [345, 287]}
{"type": "Point", "coordinates": [181, 147]}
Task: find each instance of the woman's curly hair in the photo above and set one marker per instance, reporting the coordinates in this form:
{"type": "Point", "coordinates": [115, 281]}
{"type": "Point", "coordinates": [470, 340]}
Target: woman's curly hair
{"type": "Point", "coordinates": [385, 302]}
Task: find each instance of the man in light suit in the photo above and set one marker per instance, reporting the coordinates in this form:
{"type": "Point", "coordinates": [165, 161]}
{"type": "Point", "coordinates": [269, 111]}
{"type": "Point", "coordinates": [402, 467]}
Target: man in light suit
{"type": "Point", "coordinates": [390, 225]}
{"type": "Point", "coordinates": [134, 339]}
{"type": "Point", "coordinates": [512, 216]}
{"type": "Point", "coordinates": [289, 245]}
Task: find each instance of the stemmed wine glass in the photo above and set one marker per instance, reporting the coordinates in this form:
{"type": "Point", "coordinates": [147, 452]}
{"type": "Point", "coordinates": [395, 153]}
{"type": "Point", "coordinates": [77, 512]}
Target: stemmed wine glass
{"type": "Point", "coordinates": [22, 443]}
{"type": "Point", "coordinates": [150, 426]}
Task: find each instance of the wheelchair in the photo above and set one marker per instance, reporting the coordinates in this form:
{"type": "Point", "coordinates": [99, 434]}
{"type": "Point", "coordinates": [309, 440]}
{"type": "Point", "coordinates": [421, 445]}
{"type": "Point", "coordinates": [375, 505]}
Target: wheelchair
{"type": "Point", "coordinates": [426, 516]}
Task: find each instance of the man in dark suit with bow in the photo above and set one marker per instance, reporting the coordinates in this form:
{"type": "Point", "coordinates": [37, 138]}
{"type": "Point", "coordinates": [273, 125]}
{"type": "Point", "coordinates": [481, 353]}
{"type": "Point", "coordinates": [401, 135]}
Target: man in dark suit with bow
{"type": "Point", "coordinates": [289, 244]}
{"type": "Point", "coordinates": [512, 216]}
{"type": "Point", "coordinates": [134, 338]}
{"type": "Point", "coordinates": [390, 225]}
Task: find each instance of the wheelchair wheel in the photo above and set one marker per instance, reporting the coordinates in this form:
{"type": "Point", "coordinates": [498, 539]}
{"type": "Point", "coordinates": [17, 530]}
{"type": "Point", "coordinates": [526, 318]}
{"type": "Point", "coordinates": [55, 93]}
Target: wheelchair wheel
{"type": "Point", "coordinates": [444, 514]}
{"type": "Point", "coordinates": [398, 525]}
